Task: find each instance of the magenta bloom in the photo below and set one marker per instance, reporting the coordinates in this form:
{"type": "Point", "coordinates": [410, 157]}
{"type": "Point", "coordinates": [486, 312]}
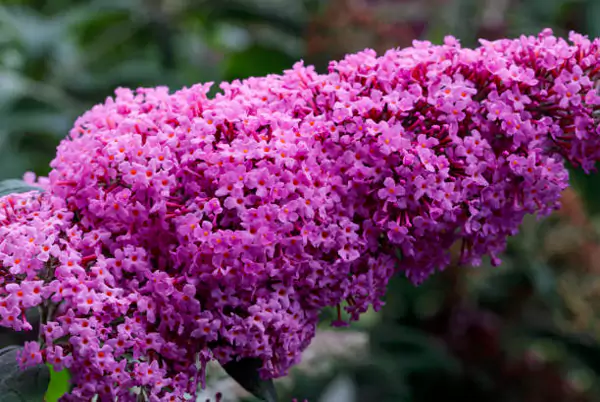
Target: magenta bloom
{"type": "Point", "coordinates": [176, 229]}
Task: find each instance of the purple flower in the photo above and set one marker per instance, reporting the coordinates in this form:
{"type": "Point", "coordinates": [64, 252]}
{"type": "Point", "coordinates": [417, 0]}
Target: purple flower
{"type": "Point", "coordinates": [234, 220]}
{"type": "Point", "coordinates": [392, 191]}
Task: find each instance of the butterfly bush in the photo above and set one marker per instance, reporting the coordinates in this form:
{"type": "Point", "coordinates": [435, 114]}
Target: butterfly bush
{"type": "Point", "coordinates": [176, 228]}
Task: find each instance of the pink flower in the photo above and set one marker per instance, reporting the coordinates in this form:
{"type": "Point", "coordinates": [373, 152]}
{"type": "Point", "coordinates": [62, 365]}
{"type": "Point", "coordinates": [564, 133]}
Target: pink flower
{"type": "Point", "coordinates": [234, 220]}
{"type": "Point", "coordinates": [31, 355]}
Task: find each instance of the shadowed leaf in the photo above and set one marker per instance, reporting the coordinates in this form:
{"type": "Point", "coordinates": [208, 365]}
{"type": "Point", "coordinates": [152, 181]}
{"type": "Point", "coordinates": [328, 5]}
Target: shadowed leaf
{"type": "Point", "coordinates": [12, 186]}
{"type": "Point", "coordinates": [246, 373]}
{"type": "Point", "coordinates": [18, 385]}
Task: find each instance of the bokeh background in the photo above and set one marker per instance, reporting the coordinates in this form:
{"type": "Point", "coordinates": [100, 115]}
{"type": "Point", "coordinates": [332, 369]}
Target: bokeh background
{"type": "Point", "coordinates": [527, 331]}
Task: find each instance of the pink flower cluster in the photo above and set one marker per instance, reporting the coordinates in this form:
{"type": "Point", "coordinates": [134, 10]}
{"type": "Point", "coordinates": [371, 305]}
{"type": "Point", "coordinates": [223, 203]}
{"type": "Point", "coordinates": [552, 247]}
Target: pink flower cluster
{"type": "Point", "coordinates": [176, 229]}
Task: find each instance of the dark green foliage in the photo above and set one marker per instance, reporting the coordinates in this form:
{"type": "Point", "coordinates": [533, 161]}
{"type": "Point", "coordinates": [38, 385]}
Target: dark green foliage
{"type": "Point", "coordinates": [59, 58]}
{"type": "Point", "coordinates": [18, 385]}
{"type": "Point", "coordinates": [246, 373]}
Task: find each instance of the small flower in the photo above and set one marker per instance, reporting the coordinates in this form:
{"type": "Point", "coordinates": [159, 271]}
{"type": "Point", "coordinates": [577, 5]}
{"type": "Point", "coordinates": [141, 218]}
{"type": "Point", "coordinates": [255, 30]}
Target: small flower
{"type": "Point", "coordinates": [392, 191]}
{"type": "Point", "coordinates": [31, 355]}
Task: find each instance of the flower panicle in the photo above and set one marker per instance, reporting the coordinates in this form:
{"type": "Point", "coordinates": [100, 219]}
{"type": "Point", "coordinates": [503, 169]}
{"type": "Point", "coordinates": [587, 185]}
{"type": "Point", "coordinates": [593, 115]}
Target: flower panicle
{"type": "Point", "coordinates": [175, 229]}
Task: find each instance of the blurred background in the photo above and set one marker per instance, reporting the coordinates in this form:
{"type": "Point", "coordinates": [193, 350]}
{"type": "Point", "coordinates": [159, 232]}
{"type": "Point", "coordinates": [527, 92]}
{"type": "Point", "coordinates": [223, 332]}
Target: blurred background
{"type": "Point", "coordinates": [526, 331]}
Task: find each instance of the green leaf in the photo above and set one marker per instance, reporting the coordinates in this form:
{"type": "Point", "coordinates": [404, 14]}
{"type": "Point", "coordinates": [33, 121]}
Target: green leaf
{"type": "Point", "coordinates": [59, 385]}
{"type": "Point", "coordinates": [18, 385]}
{"type": "Point", "coordinates": [246, 373]}
{"type": "Point", "coordinates": [13, 186]}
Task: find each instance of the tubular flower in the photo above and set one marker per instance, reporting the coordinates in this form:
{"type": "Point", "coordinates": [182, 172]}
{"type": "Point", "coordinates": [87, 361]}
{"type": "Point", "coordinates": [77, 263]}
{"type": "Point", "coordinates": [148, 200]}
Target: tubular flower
{"type": "Point", "coordinates": [177, 228]}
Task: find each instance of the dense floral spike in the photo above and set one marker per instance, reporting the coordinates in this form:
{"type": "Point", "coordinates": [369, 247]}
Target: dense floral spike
{"type": "Point", "coordinates": [176, 229]}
